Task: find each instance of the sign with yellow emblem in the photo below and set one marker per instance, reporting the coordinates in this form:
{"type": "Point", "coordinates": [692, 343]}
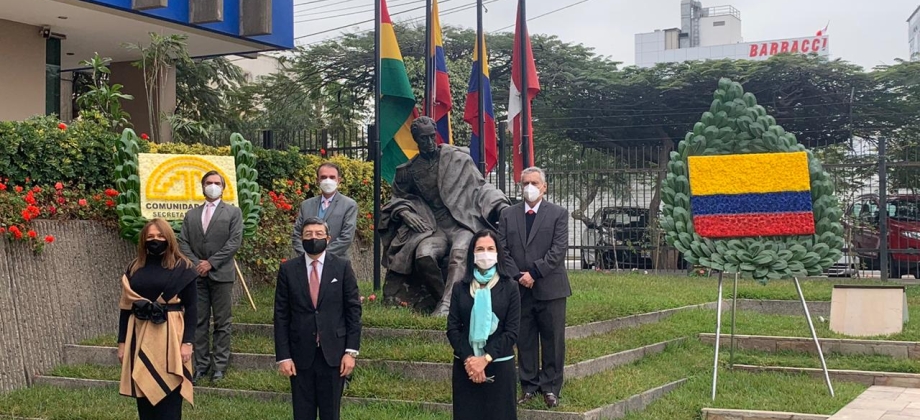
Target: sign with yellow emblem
{"type": "Point", "coordinates": [171, 184]}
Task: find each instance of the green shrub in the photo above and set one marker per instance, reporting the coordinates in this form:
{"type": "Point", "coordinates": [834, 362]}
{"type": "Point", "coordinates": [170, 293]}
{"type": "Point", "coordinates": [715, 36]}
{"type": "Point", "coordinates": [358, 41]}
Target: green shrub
{"type": "Point", "coordinates": [42, 150]}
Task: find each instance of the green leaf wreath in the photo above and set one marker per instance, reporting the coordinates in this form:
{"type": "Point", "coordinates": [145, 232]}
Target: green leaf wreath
{"type": "Point", "coordinates": [128, 184]}
{"type": "Point", "coordinates": [735, 124]}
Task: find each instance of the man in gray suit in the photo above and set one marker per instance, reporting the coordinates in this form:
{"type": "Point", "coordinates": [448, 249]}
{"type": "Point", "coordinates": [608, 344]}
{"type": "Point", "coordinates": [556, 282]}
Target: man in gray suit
{"type": "Point", "coordinates": [211, 235]}
{"type": "Point", "coordinates": [535, 235]}
{"type": "Point", "coordinates": [338, 211]}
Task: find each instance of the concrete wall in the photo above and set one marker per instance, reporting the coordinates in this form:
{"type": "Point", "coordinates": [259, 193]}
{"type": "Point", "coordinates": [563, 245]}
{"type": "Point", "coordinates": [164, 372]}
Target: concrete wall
{"type": "Point", "coordinates": [64, 295]}
{"type": "Point", "coordinates": [22, 71]}
{"type": "Point", "coordinates": [132, 78]}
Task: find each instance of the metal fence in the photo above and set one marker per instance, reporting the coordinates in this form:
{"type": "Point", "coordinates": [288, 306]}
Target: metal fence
{"type": "Point", "coordinates": [613, 197]}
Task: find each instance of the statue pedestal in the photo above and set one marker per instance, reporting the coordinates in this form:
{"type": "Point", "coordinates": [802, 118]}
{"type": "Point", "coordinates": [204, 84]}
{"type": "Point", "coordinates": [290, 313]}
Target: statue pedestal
{"type": "Point", "coordinates": [863, 311]}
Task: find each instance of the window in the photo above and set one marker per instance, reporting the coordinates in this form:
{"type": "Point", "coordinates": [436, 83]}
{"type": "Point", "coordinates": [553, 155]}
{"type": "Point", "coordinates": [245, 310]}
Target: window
{"type": "Point", "coordinates": [718, 23]}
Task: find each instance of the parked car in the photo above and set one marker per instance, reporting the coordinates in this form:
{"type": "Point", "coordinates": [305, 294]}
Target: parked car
{"type": "Point", "coordinates": [902, 214]}
{"type": "Point", "coordinates": [846, 266]}
{"type": "Point", "coordinates": [622, 237]}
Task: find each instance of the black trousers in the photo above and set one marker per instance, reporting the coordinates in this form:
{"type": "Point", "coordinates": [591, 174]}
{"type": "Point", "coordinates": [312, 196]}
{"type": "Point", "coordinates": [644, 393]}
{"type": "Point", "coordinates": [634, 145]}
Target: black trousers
{"type": "Point", "coordinates": [169, 408]}
{"type": "Point", "coordinates": [217, 298]}
{"type": "Point", "coordinates": [317, 388]}
{"type": "Point", "coordinates": [542, 333]}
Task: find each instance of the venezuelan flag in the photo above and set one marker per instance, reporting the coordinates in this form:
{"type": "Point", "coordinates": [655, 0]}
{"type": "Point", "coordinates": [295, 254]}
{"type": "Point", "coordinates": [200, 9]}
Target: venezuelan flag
{"type": "Point", "coordinates": [471, 111]}
{"type": "Point", "coordinates": [751, 195]}
{"type": "Point", "coordinates": [443, 102]}
{"type": "Point", "coordinates": [397, 102]}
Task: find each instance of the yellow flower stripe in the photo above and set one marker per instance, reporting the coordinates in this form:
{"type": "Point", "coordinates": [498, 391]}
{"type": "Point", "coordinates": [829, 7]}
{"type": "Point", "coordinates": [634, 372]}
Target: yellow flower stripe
{"type": "Point", "coordinates": [749, 173]}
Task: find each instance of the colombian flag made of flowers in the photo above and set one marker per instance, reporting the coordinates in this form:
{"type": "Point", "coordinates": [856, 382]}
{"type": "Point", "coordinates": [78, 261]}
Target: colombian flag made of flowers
{"type": "Point", "coordinates": [751, 195]}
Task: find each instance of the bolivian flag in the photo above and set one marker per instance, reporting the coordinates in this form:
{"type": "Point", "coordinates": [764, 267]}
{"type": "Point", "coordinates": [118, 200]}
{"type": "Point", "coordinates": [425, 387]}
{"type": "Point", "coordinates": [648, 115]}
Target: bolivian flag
{"type": "Point", "coordinates": [751, 195]}
{"type": "Point", "coordinates": [397, 102]}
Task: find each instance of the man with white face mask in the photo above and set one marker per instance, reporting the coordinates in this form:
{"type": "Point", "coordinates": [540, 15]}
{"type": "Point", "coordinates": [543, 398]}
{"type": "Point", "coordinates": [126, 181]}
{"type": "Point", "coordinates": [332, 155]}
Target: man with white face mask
{"type": "Point", "coordinates": [535, 235]}
{"type": "Point", "coordinates": [211, 235]}
{"type": "Point", "coordinates": [337, 210]}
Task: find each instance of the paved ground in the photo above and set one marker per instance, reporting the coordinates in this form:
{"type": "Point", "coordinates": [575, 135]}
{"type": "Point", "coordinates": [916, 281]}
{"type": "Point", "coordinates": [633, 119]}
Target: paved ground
{"type": "Point", "coordinates": [883, 403]}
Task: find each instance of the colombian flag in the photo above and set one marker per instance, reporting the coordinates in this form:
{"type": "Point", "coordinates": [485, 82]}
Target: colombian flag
{"type": "Point", "coordinates": [397, 102]}
{"type": "Point", "coordinates": [471, 113]}
{"type": "Point", "coordinates": [441, 86]}
{"type": "Point", "coordinates": [751, 195]}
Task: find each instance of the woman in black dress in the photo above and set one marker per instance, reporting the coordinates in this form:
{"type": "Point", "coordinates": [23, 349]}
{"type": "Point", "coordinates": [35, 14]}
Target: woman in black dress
{"type": "Point", "coordinates": [157, 325]}
{"type": "Point", "coordinates": [482, 326]}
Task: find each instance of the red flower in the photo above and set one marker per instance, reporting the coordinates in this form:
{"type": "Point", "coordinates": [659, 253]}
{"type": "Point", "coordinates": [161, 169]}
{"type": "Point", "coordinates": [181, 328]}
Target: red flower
{"type": "Point", "coordinates": [62, 126]}
{"type": "Point", "coordinates": [49, 239]}
{"type": "Point", "coordinates": [18, 189]}
{"type": "Point", "coordinates": [37, 189]}
{"type": "Point", "coordinates": [290, 182]}
{"type": "Point", "coordinates": [14, 230]}
{"type": "Point", "coordinates": [2, 230]}
{"type": "Point", "coordinates": [145, 136]}
{"type": "Point", "coordinates": [306, 186]}
{"type": "Point", "coordinates": [299, 192]}
{"type": "Point", "coordinates": [97, 197]}
{"type": "Point", "coordinates": [322, 152]}
{"type": "Point", "coordinates": [29, 198]}
{"type": "Point", "coordinates": [2, 187]}
{"type": "Point", "coordinates": [111, 192]}
{"type": "Point", "coordinates": [370, 216]}
{"type": "Point", "coordinates": [365, 181]}
{"type": "Point", "coordinates": [110, 203]}
{"type": "Point", "coordinates": [26, 215]}
{"type": "Point", "coordinates": [59, 186]}
{"type": "Point", "coordinates": [372, 298]}
{"type": "Point", "coordinates": [61, 200]}
{"type": "Point", "coordinates": [82, 202]}
{"type": "Point", "coordinates": [33, 234]}
{"type": "Point", "coordinates": [52, 209]}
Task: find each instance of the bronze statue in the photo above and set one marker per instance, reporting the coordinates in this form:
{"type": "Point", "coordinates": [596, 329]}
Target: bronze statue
{"type": "Point", "coordinates": [439, 201]}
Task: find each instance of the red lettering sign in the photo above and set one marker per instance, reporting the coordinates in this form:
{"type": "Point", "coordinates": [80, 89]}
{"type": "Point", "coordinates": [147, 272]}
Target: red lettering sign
{"type": "Point", "coordinates": [815, 44]}
{"type": "Point", "coordinates": [754, 50]}
{"type": "Point", "coordinates": [763, 50]}
{"type": "Point", "coordinates": [774, 48]}
{"type": "Point", "coordinates": [805, 46]}
{"type": "Point", "coordinates": [795, 47]}
{"type": "Point", "coordinates": [785, 47]}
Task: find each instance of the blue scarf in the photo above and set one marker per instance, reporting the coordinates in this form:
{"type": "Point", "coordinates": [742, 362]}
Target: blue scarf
{"type": "Point", "coordinates": [483, 321]}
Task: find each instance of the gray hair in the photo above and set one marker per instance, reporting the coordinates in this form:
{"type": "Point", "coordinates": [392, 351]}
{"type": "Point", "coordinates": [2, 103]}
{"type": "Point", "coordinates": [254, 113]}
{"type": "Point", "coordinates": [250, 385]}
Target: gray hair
{"type": "Point", "coordinates": [535, 170]}
{"type": "Point", "coordinates": [312, 221]}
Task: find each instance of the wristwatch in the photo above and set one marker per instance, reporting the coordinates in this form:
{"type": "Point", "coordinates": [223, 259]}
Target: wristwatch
{"type": "Point", "coordinates": [488, 358]}
{"type": "Point", "coordinates": [352, 353]}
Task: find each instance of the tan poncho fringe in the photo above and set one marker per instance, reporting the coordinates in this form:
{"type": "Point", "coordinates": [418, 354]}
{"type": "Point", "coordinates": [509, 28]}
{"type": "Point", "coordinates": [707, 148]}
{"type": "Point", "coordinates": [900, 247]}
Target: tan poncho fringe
{"type": "Point", "coordinates": [152, 367]}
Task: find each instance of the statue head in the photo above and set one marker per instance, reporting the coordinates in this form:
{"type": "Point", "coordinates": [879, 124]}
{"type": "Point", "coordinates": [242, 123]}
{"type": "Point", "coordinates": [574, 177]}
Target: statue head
{"type": "Point", "coordinates": [425, 134]}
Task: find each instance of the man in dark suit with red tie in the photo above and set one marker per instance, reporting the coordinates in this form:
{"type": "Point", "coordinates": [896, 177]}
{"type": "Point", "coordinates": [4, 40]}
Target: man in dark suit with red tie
{"type": "Point", "coordinates": [317, 325]}
{"type": "Point", "coordinates": [535, 235]}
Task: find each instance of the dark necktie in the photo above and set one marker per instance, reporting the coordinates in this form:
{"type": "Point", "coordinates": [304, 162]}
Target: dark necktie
{"type": "Point", "coordinates": [530, 217]}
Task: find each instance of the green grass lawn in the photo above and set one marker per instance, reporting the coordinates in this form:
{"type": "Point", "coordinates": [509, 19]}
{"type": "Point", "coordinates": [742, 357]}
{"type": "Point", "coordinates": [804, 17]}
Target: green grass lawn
{"type": "Point", "coordinates": [595, 297]}
{"type": "Point", "coordinates": [105, 404]}
{"type": "Point", "coordinates": [689, 359]}
{"type": "Point", "coordinates": [874, 363]}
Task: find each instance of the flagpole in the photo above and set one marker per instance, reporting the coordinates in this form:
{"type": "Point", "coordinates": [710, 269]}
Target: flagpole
{"type": "Point", "coordinates": [429, 66]}
{"type": "Point", "coordinates": [480, 46]}
{"type": "Point", "coordinates": [376, 142]}
{"type": "Point", "coordinates": [525, 112]}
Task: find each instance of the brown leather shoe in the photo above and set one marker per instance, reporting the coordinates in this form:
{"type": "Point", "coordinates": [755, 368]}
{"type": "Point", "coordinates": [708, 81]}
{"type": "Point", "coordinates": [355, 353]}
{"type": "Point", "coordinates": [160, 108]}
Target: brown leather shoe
{"type": "Point", "coordinates": [525, 398]}
{"type": "Point", "coordinates": [551, 400]}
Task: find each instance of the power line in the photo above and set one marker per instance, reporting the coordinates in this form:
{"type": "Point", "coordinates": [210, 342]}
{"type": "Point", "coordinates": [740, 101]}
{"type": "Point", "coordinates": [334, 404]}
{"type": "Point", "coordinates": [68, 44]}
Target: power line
{"type": "Point", "coordinates": [363, 6]}
{"type": "Point", "coordinates": [322, 6]}
{"type": "Point", "coordinates": [311, 2]}
{"type": "Point", "coordinates": [545, 14]}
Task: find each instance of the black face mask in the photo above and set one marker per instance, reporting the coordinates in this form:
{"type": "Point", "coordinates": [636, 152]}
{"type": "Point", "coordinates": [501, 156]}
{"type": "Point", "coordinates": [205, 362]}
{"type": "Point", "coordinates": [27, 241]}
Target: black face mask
{"type": "Point", "coordinates": [156, 247]}
{"type": "Point", "coordinates": [314, 246]}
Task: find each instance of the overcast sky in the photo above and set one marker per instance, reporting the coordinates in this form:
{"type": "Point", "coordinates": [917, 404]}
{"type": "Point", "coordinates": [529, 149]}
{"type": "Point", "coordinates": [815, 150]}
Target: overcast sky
{"type": "Point", "coordinates": [867, 33]}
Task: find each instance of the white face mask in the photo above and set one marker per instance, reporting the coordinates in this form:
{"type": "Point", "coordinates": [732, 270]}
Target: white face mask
{"type": "Point", "coordinates": [531, 193]}
{"type": "Point", "coordinates": [328, 185]}
{"type": "Point", "coordinates": [213, 191]}
{"type": "Point", "coordinates": [485, 260]}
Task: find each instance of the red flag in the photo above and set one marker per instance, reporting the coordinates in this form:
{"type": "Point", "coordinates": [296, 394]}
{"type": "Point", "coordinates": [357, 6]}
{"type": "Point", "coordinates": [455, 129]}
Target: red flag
{"type": "Point", "coordinates": [516, 102]}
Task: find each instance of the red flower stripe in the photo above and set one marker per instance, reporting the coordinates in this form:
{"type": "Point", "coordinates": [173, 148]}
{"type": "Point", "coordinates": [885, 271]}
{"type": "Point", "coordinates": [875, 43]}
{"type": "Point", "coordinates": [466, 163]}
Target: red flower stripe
{"type": "Point", "coordinates": [753, 225]}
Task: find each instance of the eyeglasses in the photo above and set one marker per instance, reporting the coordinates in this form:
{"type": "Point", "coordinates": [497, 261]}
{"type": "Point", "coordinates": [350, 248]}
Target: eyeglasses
{"type": "Point", "coordinates": [314, 235]}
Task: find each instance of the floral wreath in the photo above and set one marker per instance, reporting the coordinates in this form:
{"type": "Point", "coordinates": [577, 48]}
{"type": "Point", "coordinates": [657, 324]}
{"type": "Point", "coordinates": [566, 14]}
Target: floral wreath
{"type": "Point", "coordinates": [128, 184]}
{"type": "Point", "coordinates": [736, 125]}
